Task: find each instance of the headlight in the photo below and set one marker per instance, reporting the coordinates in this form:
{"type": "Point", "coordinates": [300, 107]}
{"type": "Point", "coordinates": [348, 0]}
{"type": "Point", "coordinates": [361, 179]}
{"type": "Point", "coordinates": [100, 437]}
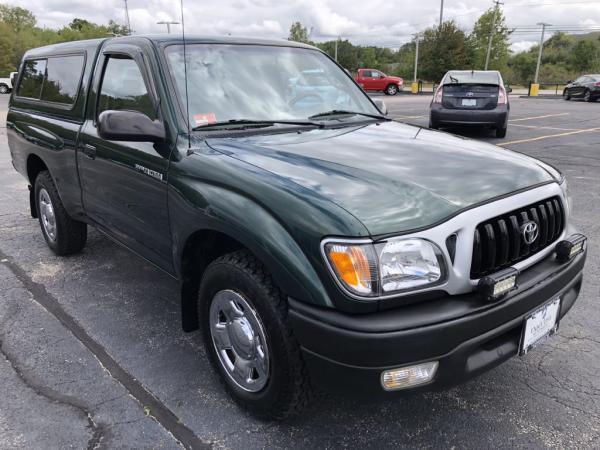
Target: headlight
{"type": "Point", "coordinates": [385, 268]}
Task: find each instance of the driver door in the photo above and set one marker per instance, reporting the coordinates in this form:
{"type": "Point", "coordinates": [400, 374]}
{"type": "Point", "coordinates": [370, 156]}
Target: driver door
{"type": "Point", "coordinates": [124, 184]}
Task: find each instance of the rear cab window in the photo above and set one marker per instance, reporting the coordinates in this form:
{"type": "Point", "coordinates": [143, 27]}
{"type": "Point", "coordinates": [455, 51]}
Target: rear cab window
{"type": "Point", "coordinates": [51, 84]}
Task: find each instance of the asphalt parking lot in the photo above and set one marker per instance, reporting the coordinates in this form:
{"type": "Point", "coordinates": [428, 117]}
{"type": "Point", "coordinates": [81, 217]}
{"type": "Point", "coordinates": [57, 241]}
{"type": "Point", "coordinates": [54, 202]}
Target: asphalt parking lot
{"type": "Point", "coordinates": [92, 354]}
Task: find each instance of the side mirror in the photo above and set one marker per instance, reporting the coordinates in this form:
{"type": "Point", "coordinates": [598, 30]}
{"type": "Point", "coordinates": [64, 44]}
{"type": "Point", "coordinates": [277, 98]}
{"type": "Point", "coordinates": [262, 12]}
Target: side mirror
{"type": "Point", "coordinates": [380, 106]}
{"type": "Point", "coordinates": [13, 78]}
{"type": "Point", "coordinates": [129, 126]}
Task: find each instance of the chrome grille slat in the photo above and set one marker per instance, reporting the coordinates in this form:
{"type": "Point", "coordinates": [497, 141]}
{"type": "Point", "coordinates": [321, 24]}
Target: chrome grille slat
{"type": "Point", "coordinates": [498, 242]}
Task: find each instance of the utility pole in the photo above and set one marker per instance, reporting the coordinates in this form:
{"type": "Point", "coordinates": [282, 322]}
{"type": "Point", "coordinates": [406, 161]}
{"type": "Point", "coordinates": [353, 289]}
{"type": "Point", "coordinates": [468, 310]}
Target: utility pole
{"type": "Point", "coordinates": [416, 56]}
{"type": "Point", "coordinates": [168, 23]}
{"type": "Point", "coordinates": [492, 31]}
{"type": "Point", "coordinates": [539, 60]}
{"type": "Point", "coordinates": [441, 13]}
{"type": "Point", "coordinates": [127, 17]}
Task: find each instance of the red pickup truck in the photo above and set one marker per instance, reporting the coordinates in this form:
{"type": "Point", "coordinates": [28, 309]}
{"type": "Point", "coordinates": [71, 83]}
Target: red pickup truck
{"type": "Point", "coordinates": [375, 80]}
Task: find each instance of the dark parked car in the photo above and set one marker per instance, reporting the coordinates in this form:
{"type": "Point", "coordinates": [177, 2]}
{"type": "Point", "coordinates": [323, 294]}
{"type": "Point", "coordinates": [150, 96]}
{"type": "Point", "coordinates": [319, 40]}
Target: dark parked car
{"type": "Point", "coordinates": [315, 242]}
{"type": "Point", "coordinates": [473, 97]}
{"type": "Point", "coordinates": [586, 87]}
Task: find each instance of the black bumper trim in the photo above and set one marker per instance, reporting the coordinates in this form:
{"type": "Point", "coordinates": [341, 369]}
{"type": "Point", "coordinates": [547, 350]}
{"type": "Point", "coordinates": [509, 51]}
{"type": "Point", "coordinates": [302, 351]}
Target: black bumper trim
{"type": "Point", "coordinates": [346, 359]}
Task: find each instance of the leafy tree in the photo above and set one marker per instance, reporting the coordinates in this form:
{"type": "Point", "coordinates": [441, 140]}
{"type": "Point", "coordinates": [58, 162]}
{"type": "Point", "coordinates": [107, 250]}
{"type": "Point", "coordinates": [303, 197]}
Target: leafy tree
{"type": "Point", "coordinates": [7, 50]}
{"type": "Point", "coordinates": [298, 33]}
{"type": "Point", "coordinates": [479, 40]}
{"type": "Point", "coordinates": [347, 53]}
{"type": "Point", "coordinates": [16, 17]}
{"type": "Point", "coordinates": [442, 49]}
{"type": "Point", "coordinates": [585, 55]}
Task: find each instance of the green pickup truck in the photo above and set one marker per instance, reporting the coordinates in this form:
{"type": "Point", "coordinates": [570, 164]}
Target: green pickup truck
{"type": "Point", "coordinates": [317, 242]}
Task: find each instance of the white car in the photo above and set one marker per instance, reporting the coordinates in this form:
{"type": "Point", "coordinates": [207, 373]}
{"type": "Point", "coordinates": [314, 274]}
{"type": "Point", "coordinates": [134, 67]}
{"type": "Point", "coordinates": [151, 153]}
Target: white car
{"type": "Point", "coordinates": [6, 84]}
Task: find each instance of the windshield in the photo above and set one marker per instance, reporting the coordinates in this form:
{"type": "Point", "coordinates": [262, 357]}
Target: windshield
{"type": "Point", "coordinates": [469, 77]}
{"type": "Point", "coordinates": [256, 82]}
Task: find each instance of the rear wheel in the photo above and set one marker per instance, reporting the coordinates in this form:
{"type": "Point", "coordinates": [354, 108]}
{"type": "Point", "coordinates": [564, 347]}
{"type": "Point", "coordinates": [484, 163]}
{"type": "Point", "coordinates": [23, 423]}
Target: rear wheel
{"type": "Point", "coordinates": [587, 96]}
{"type": "Point", "coordinates": [566, 95]}
{"type": "Point", "coordinates": [391, 89]}
{"type": "Point", "coordinates": [3, 89]}
{"type": "Point", "coordinates": [248, 339]}
{"type": "Point", "coordinates": [63, 235]}
{"type": "Point", "coordinates": [433, 125]}
{"type": "Point", "coordinates": [501, 132]}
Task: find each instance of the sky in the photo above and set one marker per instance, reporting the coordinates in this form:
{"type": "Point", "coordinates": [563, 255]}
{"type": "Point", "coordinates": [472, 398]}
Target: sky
{"type": "Point", "coordinates": [380, 22]}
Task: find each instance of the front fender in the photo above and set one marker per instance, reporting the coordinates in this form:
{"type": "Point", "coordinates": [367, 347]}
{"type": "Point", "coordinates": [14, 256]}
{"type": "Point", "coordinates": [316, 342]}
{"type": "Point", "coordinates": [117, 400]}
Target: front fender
{"type": "Point", "coordinates": [216, 208]}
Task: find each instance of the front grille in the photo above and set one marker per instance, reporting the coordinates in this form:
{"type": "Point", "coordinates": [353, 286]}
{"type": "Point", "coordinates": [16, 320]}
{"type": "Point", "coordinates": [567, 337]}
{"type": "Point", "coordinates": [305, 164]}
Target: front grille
{"type": "Point", "coordinates": [498, 242]}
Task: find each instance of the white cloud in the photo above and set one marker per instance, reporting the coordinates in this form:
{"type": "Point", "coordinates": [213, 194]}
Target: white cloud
{"type": "Point", "coordinates": [381, 22]}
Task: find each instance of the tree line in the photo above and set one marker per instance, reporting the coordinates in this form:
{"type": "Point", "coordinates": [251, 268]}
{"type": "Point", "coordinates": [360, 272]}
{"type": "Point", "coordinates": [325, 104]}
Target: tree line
{"type": "Point", "coordinates": [19, 32]}
{"type": "Point", "coordinates": [440, 48]}
{"type": "Point", "coordinates": [446, 47]}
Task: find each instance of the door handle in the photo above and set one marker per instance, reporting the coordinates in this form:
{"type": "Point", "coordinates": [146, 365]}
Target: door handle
{"type": "Point", "coordinates": [89, 151]}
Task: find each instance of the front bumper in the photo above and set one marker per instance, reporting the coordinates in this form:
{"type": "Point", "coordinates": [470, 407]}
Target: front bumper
{"type": "Point", "coordinates": [497, 117]}
{"type": "Point", "coordinates": [466, 335]}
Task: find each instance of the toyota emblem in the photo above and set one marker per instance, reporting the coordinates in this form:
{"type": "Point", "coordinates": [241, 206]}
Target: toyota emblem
{"type": "Point", "coordinates": [530, 232]}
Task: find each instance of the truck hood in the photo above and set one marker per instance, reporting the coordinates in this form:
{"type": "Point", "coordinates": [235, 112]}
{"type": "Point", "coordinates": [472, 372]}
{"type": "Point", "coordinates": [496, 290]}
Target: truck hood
{"type": "Point", "coordinates": [392, 177]}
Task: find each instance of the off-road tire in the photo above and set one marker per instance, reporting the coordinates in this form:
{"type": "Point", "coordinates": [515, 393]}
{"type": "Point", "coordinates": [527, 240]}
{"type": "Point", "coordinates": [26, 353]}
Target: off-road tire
{"type": "Point", "coordinates": [71, 235]}
{"type": "Point", "coordinates": [288, 388]}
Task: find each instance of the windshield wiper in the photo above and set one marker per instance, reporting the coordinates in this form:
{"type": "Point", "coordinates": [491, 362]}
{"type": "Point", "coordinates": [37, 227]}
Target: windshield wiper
{"type": "Point", "coordinates": [242, 124]}
{"type": "Point", "coordinates": [341, 112]}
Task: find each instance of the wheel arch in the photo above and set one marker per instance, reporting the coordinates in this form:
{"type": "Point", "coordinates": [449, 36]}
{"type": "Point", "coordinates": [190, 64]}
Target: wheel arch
{"type": "Point", "coordinates": [35, 165]}
{"type": "Point", "coordinates": [206, 245]}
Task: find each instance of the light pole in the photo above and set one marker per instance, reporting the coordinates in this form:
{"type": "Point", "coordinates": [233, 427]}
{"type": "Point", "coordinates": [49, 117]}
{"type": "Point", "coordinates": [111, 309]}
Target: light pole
{"type": "Point", "coordinates": [441, 13]}
{"type": "Point", "coordinates": [168, 23]}
{"type": "Point", "coordinates": [491, 37]}
{"type": "Point", "coordinates": [416, 57]}
{"type": "Point", "coordinates": [127, 18]}
{"type": "Point", "coordinates": [539, 59]}
{"type": "Point", "coordinates": [336, 49]}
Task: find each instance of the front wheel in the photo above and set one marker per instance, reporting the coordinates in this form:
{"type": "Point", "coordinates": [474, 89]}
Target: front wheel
{"type": "Point", "coordinates": [63, 235]}
{"type": "Point", "coordinates": [566, 95]}
{"type": "Point", "coordinates": [587, 96]}
{"type": "Point", "coordinates": [392, 89]}
{"type": "Point", "coordinates": [3, 89]}
{"type": "Point", "coordinates": [248, 339]}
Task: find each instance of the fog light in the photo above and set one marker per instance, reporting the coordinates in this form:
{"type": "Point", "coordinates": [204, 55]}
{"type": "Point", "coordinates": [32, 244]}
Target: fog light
{"type": "Point", "coordinates": [567, 249]}
{"type": "Point", "coordinates": [406, 377]}
{"type": "Point", "coordinates": [499, 284]}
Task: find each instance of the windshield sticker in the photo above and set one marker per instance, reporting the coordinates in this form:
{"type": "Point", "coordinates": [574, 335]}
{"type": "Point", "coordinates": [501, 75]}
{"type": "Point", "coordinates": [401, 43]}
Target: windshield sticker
{"type": "Point", "coordinates": [204, 119]}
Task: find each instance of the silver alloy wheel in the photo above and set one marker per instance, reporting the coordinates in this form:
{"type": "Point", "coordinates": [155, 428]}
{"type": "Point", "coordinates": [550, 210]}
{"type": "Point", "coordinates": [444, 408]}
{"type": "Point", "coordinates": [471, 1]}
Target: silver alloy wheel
{"type": "Point", "coordinates": [587, 96]}
{"type": "Point", "coordinates": [47, 214]}
{"type": "Point", "coordinates": [3, 89]}
{"type": "Point", "coordinates": [392, 89]}
{"type": "Point", "coordinates": [240, 340]}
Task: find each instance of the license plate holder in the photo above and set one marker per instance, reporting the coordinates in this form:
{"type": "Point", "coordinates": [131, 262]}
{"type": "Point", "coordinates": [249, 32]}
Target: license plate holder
{"type": "Point", "coordinates": [469, 102]}
{"type": "Point", "coordinates": [540, 324]}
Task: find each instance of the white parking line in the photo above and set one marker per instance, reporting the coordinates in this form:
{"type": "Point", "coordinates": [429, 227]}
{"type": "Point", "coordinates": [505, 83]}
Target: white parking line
{"type": "Point", "coordinates": [539, 117]}
{"type": "Point", "coordinates": [549, 136]}
{"type": "Point", "coordinates": [537, 127]}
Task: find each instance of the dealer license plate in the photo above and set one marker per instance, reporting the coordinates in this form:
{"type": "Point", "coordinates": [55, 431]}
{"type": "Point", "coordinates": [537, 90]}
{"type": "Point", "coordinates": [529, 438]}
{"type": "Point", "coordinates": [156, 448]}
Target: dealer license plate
{"type": "Point", "coordinates": [539, 325]}
{"type": "Point", "coordinates": [469, 102]}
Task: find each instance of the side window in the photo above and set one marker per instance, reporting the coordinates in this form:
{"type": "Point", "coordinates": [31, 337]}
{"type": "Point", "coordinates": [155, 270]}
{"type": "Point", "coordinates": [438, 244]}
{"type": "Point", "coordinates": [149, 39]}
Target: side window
{"type": "Point", "coordinates": [366, 74]}
{"type": "Point", "coordinates": [123, 88]}
{"type": "Point", "coordinates": [62, 79]}
{"type": "Point", "coordinates": [376, 74]}
{"type": "Point", "coordinates": [32, 80]}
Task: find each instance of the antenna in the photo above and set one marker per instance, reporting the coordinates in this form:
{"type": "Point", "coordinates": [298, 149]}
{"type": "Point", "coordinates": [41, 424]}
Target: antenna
{"type": "Point", "coordinates": [187, 102]}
